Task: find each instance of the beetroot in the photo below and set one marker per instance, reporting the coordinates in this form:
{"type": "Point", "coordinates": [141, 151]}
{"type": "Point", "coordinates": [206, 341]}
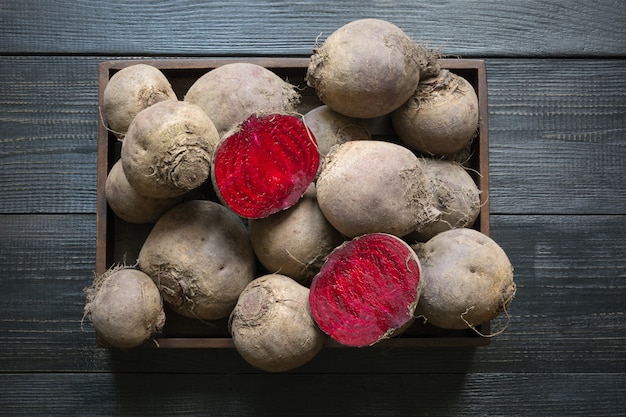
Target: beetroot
{"type": "Point", "coordinates": [271, 325]}
{"type": "Point", "coordinates": [232, 92]}
{"type": "Point", "coordinates": [265, 166]}
{"type": "Point", "coordinates": [441, 117]}
{"type": "Point", "coordinates": [366, 290]}
{"type": "Point", "coordinates": [366, 68]}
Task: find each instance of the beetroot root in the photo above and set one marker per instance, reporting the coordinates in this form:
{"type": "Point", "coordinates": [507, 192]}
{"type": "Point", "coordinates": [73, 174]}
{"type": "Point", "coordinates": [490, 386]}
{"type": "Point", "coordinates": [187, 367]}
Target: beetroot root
{"type": "Point", "coordinates": [331, 128]}
{"type": "Point", "coordinates": [468, 279]}
{"type": "Point", "coordinates": [128, 204]}
{"type": "Point", "coordinates": [272, 327]}
{"type": "Point", "coordinates": [374, 186]}
{"type": "Point", "coordinates": [229, 94]}
{"type": "Point", "coordinates": [200, 257]}
{"type": "Point", "coordinates": [131, 90]}
{"type": "Point", "coordinates": [441, 118]}
{"type": "Point", "coordinates": [366, 68]}
{"type": "Point", "coordinates": [457, 197]}
{"type": "Point", "coordinates": [168, 149]}
{"type": "Point", "coordinates": [296, 241]}
{"type": "Point", "coordinates": [265, 166]}
{"type": "Point", "coordinates": [367, 289]}
{"type": "Point", "coordinates": [124, 307]}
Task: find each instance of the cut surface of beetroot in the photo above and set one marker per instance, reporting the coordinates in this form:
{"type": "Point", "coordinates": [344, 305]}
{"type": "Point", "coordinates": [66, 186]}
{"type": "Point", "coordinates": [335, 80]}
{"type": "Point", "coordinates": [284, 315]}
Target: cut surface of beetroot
{"type": "Point", "coordinates": [265, 166]}
{"type": "Point", "coordinates": [367, 288]}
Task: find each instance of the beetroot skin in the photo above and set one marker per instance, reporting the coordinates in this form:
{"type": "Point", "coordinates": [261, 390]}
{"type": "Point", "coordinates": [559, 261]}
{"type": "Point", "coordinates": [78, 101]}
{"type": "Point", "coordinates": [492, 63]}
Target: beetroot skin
{"type": "Point", "coordinates": [266, 166]}
{"type": "Point", "coordinates": [367, 288]}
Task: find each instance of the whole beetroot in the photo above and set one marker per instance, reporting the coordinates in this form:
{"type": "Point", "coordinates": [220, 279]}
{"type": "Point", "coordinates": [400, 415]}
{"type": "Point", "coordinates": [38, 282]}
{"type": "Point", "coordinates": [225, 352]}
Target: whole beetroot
{"type": "Point", "coordinates": [457, 197]}
{"type": "Point", "coordinates": [124, 307]}
{"type": "Point", "coordinates": [366, 68]}
{"type": "Point", "coordinates": [131, 90]}
{"type": "Point", "coordinates": [468, 279]}
{"type": "Point", "coordinates": [128, 204]}
{"type": "Point", "coordinates": [168, 148]}
{"type": "Point", "coordinates": [441, 118]}
{"type": "Point", "coordinates": [331, 128]}
{"type": "Point", "coordinates": [296, 241]}
{"type": "Point", "coordinates": [374, 186]}
{"type": "Point", "coordinates": [229, 94]}
{"type": "Point", "coordinates": [272, 327]}
{"type": "Point", "coordinates": [200, 257]}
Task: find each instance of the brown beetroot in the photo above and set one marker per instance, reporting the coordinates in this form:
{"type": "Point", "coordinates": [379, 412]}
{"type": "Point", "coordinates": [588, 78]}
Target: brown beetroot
{"type": "Point", "coordinates": [441, 118]}
{"type": "Point", "coordinates": [374, 186]}
{"type": "Point", "coordinates": [331, 128]}
{"type": "Point", "coordinates": [131, 206]}
{"type": "Point", "coordinates": [272, 327]}
{"type": "Point", "coordinates": [468, 279]}
{"type": "Point", "coordinates": [265, 166]}
{"type": "Point", "coordinates": [296, 241]}
{"type": "Point", "coordinates": [366, 68]}
{"type": "Point", "coordinates": [200, 257]}
{"type": "Point", "coordinates": [229, 94]}
{"type": "Point", "coordinates": [131, 90]}
{"type": "Point", "coordinates": [367, 289]}
{"type": "Point", "coordinates": [168, 148]}
{"type": "Point", "coordinates": [457, 197]}
{"type": "Point", "coordinates": [124, 307]}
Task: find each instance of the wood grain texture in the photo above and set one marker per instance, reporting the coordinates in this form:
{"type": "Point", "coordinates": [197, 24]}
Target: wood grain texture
{"type": "Point", "coordinates": [557, 130]}
{"type": "Point", "coordinates": [486, 28]}
{"type": "Point", "coordinates": [553, 123]}
{"type": "Point", "coordinates": [48, 116]}
{"type": "Point", "coordinates": [424, 395]}
{"type": "Point", "coordinates": [568, 315]}
{"type": "Point", "coordinates": [557, 110]}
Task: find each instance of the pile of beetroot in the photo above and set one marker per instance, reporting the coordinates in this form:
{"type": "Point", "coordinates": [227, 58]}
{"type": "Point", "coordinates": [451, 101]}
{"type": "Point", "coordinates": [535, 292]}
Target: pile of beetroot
{"type": "Point", "coordinates": [356, 236]}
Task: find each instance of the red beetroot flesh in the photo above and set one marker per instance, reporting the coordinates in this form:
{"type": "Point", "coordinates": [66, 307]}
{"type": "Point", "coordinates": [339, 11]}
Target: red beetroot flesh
{"type": "Point", "coordinates": [266, 166]}
{"type": "Point", "coordinates": [367, 288]}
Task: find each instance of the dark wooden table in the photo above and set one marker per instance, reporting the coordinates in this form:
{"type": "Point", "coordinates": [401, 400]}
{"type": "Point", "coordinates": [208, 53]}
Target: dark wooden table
{"type": "Point", "coordinates": [557, 109]}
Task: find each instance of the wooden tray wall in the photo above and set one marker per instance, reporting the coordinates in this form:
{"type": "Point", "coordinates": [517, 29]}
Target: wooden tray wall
{"type": "Point", "coordinates": [120, 242]}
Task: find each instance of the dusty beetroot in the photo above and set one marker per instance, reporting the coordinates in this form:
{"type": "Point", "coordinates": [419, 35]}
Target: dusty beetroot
{"type": "Point", "coordinates": [296, 241]}
{"type": "Point", "coordinates": [367, 288]}
{"type": "Point", "coordinates": [441, 117]}
{"type": "Point", "coordinates": [199, 255]}
{"type": "Point", "coordinates": [124, 307]}
{"type": "Point", "coordinates": [231, 93]}
{"type": "Point", "coordinates": [271, 324]}
{"type": "Point", "coordinates": [468, 279]}
{"type": "Point", "coordinates": [366, 68]}
{"type": "Point", "coordinates": [373, 186]}
{"type": "Point", "coordinates": [456, 196]}
{"type": "Point", "coordinates": [331, 128]}
{"type": "Point", "coordinates": [168, 148]}
{"type": "Point", "coordinates": [131, 90]}
{"type": "Point", "coordinates": [131, 206]}
{"type": "Point", "coordinates": [266, 166]}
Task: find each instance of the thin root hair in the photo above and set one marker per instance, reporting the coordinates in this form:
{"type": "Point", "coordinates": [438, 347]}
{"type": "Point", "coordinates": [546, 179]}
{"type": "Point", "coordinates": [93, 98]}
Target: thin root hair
{"type": "Point", "coordinates": [471, 326]}
{"type": "Point", "coordinates": [119, 135]}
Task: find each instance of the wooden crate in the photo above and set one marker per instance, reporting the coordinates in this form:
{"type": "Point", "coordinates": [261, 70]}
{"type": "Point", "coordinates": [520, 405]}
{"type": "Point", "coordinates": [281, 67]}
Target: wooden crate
{"type": "Point", "coordinates": [120, 242]}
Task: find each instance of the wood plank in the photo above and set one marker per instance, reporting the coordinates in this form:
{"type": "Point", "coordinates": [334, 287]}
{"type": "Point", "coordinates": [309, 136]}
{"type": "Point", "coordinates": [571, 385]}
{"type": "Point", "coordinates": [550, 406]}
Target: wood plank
{"type": "Point", "coordinates": [556, 135]}
{"type": "Point", "coordinates": [486, 28]}
{"type": "Point", "coordinates": [569, 313]}
{"type": "Point", "coordinates": [501, 394]}
{"type": "Point", "coordinates": [48, 114]}
{"type": "Point", "coordinates": [557, 131]}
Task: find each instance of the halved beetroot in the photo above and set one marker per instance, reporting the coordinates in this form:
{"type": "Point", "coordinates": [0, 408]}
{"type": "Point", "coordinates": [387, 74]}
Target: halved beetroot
{"type": "Point", "coordinates": [266, 165]}
{"type": "Point", "coordinates": [367, 288]}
